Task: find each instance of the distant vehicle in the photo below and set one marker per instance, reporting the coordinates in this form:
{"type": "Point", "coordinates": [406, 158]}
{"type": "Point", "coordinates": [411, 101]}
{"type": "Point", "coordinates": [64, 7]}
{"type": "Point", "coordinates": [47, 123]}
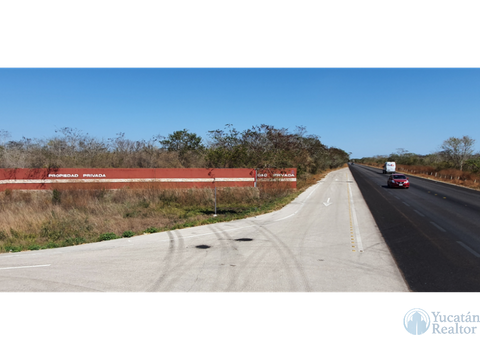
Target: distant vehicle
{"type": "Point", "coordinates": [398, 180]}
{"type": "Point", "coordinates": [389, 167]}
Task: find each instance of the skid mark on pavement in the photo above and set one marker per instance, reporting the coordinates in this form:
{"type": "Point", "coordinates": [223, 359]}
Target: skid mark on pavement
{"type": "Point", "coordinates": [251, 263]}
{"type": "Point", "coordinates": [286, 253]}
{"type": "Point", "coordinates": [173, 263]}
{"type": "Point", "coordinates": [290, 277]}
{"type": "Point", "coordinates": [226, 250]}
{"type": "Point", "coordinates": [39, 284]}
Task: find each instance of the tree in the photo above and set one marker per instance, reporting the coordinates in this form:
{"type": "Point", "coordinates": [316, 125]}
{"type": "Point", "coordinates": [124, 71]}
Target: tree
{"type": "Point", "coordinates": [226, 148]}
{"type": "Point", "coordinates": [458, 150]}
{"type": "Point", "coordinates": [4, 135]}
{"type": "Point", "coordinates": [185, 144]}
{"type": "Point", "coordinates": [404, 157]}
{"type": "Point", "coordinates": [338, 157]}
{"type": "Point", "coordinates": [182, 141]}
{"type": "Point", "coordinates": [265, 146]}
{"type": "Point", "coordinates": [473, 165]}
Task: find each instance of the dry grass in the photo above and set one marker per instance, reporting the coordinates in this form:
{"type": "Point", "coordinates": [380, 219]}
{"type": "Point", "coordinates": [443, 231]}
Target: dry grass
{"type": "Point", "coordinates": [38, 219]}
{"type": "Point", "coordinates": [31, 220]}
{"type": "Point", "coordinates": [30, 211]}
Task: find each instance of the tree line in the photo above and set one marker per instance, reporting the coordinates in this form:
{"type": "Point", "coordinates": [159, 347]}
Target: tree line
{"type": "Point", "coordinates": [262, 146]}
{"type": "Point", "coordinates": [454, 153]}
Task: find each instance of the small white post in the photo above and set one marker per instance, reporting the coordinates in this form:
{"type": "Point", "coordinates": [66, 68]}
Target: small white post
{"type": "Point", "coordinates": [215, 184]}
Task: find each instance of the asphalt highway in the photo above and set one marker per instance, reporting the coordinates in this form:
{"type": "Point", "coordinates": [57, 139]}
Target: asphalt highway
{"type": "Point", "coordinates": [325, 240]}
{"type": "Point", "coordinates": [432, 229]}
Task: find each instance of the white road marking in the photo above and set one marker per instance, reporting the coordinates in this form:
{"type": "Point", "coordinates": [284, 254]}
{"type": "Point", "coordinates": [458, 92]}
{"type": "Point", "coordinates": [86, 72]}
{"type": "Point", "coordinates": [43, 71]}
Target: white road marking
{"type": "Point", "coordinates": [419, 213]}
{"type": "Point", "coordinates": [2, 256]}
{"type": "Point", "coordinates": [469, 249]}
{"type": "Point", "coordinates": [300, 208]}
{"type": "Point", "coordinates": [286, 217]}
{"type": "Point", "coordinates": [328, 203]}
{"type": "Point", "coordinates": [309, 195]}
{"type": "Point", "coordinates": [406, 204]}
{"type": "Point", "coordinates": [23, 267]}
{"type": "Point", "coordinates": [355, 222]}
{"type": "Point", "coordinates": [431, 222]}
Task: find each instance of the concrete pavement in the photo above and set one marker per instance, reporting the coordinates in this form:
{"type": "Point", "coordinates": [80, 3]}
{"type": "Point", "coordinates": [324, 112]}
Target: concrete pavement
{"type": "Point", "coordinates": [325, 240]}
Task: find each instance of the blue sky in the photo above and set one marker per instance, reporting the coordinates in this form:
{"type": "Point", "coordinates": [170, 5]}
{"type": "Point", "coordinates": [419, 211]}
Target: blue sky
{"type": "Point", "coordinates": [365, 111]}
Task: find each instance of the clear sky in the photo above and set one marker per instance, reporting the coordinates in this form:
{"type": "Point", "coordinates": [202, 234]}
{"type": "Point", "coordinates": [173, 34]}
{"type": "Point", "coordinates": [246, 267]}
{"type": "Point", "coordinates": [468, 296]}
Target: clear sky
{"type": "Point", "coordinates": [365, 111]}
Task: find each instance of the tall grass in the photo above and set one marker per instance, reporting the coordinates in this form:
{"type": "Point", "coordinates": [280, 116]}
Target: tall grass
{"type": "Point", "coordinates": [42, 219]}
{"type": "Point", "coordinates": [32, 220]}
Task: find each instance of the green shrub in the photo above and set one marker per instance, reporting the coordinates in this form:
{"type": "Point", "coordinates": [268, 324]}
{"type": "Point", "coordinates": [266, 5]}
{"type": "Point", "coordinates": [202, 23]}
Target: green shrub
{"type": "Point", "coordinates": [128, 234]}
{"type": "Point", "coordinates": [73, 241]}
{"type": "Point", "coordinates": [107, 236]}
{"type": "Point", "coordinates": [144, 203]}
{"type": "Point", "coordinates": [152, 230]}
{"type": "Point", "coordinates": [56, 197]}
{"type": "Point", "coordinates": [131, 214]}
{"type": "Point", "coordinates": [13, 248]}
{"type": "Point", "coordinates": [100, 194]}
{"type": "Point", "coordinates": [71, 227]}
{"type": "Point", "coordinates": [16, 234]}
{"type": "Point", "coordinates": [34, 247]}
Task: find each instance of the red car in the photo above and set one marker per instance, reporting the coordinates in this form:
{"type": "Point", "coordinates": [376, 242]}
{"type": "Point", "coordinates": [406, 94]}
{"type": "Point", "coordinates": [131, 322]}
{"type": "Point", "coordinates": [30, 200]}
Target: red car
{"type": "Point", "coordinates": [398, 180]}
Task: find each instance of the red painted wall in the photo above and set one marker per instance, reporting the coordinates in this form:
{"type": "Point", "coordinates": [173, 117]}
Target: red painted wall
{"type": "Point", "coordinates": [45, 179]}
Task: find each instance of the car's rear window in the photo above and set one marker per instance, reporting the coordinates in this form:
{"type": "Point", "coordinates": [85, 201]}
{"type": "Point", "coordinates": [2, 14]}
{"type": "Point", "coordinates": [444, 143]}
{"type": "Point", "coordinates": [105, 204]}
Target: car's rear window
{"type": "Point", "coordinates": [399, 177]}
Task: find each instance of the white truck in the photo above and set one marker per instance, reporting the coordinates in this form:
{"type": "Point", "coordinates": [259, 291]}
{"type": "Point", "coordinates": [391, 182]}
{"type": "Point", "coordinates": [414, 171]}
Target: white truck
{"type": "Point", "coordinates": [389, 167]}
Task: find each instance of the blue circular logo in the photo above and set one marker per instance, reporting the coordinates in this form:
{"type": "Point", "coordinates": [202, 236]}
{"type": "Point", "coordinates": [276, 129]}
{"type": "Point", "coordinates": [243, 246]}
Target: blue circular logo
{"type": "Point", "coordinates": [416, 321]}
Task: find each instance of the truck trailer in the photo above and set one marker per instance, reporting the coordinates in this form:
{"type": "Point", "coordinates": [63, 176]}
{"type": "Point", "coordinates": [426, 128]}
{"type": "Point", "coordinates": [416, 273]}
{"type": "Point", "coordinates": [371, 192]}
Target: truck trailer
{"type": "Point", "coordinates": [389, 167]}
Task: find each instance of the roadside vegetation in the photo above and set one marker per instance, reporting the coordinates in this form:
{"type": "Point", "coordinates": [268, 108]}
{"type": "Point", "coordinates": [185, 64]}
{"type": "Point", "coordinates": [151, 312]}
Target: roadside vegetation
{"type": "Point", "coordinates": [260, 147]}
{"type": "Point", "coordinates": [32, 220]}
{"type": "Point", "coordinates": [455, 163]}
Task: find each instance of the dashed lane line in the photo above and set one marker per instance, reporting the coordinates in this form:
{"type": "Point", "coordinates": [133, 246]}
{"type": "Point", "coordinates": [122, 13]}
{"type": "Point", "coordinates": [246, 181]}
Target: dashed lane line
{"type": "Point", "coordinates": [23, 267]}
{"type": "Point", "coordinates": [353, 216]}
{"type": "Point", "coordinates": [419, 213]}
{"type": "Point", "coordinates": [438, 227]}
{"type": "Point", "coordinates": [469, 249]}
